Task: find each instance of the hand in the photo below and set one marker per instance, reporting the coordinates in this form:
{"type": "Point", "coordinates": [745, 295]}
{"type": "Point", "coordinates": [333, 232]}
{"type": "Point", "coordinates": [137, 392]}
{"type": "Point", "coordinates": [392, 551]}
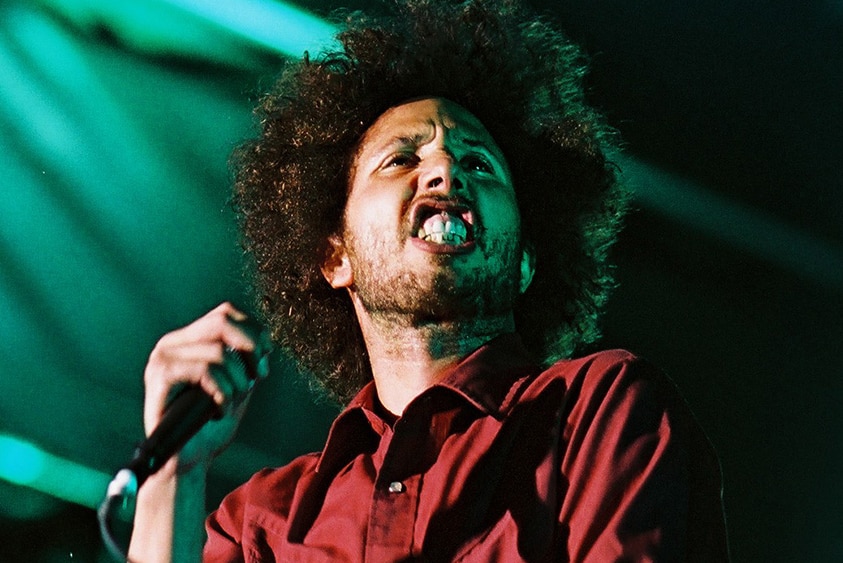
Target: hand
{"type": "Point", "coordinates": [196, 355]}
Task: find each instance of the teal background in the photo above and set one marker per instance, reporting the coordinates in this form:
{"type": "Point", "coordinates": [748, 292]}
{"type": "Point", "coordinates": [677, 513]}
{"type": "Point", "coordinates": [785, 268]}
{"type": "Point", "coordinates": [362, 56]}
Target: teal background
{"type": "Point", "coordinates": [116, 122]}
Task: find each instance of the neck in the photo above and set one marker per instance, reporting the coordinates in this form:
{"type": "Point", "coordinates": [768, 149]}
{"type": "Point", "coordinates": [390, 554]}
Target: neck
{"type": "Point", "coordinates": [407, 357]}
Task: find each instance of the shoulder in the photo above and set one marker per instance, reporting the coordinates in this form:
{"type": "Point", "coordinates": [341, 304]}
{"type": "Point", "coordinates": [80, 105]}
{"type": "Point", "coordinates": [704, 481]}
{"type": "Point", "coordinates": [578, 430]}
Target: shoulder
{"type": "Point", "coordinates": [269, 493]}
{"type": "Point", "coordinates": [604, 372]}
{"type": "Point", "coordinates": [601, 364]}
{"type": "Point", "coordinates": [278, 484]}
{"type": "Point", "coordinates": [627, 433]}
{"type": "Point", "coordinates": [617, 386]}
{"type": "Point", "coordinates": [613, 399]}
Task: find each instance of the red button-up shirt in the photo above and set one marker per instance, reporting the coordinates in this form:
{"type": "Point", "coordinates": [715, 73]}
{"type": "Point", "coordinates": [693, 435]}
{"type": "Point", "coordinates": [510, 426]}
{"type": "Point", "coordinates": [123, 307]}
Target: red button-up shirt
{"type": "Point", "coordinates": [595, 459]}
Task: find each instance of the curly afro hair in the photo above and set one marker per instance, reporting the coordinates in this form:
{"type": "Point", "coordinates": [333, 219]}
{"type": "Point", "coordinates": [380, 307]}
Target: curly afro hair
{"type": "Point", "coordinates": [514, 72]}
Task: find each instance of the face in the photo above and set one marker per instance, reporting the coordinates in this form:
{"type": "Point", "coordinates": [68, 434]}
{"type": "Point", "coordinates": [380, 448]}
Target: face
{"type": "Point", "coordinates": [431, 225]}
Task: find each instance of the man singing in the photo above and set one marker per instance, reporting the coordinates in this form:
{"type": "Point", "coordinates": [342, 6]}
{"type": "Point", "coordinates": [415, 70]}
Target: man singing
{"type": "Point", "coordinates": [428, 209]}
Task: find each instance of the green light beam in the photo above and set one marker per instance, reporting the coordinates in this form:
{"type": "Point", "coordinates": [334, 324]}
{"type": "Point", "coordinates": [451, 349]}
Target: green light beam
{"type": "Point", "coordinates": [23, 463]}
{"type": "Point", "coordinates": [104, 181]}
{"type": "Point", "coordinates": [275, 25]}
{"type": "Point", "coordinates": [742, 227]}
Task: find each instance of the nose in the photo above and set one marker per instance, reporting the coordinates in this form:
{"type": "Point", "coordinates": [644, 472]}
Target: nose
{"type": "Point", "coordinates": [442, 175]}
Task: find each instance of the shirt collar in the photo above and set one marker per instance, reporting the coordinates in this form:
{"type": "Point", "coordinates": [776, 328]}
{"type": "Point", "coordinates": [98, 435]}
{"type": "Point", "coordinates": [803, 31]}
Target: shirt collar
{"type": "Point", "coordinates": [490, 379]}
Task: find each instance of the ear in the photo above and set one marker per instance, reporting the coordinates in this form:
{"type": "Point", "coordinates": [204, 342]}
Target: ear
{"type": "Point", "coordinates": [528, 267]}
{"type": "Point", "coordinates": [336, 267]}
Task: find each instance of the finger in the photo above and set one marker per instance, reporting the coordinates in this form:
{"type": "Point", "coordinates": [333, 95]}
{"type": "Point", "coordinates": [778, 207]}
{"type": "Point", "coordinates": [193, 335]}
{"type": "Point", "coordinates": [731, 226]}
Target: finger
{"type": "Point", "coordinates": [196, 355]}
{"type": "Point", "coordinates": [212, 377]}
{"type": "Point", "coordinates": [167, 373]}
{"type": "Point", "coordinates": [212, 352]}
{"type": "Point", "coordinates": [232, 373]}
{"type": "Point", "coordinates": [221, 324]}
{"type": "Point", "coordinates": [239, 367]}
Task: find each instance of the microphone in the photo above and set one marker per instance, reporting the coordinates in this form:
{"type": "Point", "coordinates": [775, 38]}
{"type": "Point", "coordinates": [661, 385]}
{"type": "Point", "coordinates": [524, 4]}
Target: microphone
{"type": "Point", "coordinates": [188, 412]}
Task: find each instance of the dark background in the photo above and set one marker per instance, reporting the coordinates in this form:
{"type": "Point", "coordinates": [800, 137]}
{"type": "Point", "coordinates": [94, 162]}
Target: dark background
{"type": "Point", "coordinates": [115, 127]}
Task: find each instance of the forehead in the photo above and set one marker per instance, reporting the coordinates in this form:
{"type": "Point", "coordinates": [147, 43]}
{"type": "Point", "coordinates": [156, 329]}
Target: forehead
{"type": "Point", "coordinates": [421, 118]}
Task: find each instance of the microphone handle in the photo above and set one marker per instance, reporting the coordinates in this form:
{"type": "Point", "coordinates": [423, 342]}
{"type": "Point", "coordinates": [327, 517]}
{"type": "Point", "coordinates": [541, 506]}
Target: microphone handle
{"type": "Point", "coordinates": [189, 411]}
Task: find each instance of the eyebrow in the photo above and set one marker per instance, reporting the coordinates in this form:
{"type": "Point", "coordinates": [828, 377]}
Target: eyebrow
{"type": "Point", "coordinates": [417, 139]}
{"type": "Point", "coordinates": [478, 143]}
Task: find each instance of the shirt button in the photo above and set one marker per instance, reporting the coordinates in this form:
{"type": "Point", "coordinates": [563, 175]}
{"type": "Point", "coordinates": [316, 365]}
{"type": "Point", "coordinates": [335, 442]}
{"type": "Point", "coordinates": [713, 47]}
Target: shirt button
{"type": "Point", "coordinates": [396, 487]}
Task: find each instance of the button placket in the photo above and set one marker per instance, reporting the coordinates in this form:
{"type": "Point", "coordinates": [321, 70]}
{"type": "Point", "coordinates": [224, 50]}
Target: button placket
{"type": "Point", "coordinates": [392, 518]}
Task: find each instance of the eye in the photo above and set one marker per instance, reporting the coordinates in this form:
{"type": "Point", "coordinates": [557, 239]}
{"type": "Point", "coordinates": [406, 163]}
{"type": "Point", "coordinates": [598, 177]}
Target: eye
{"type": "Point", "coordinates": [401, 160]}
{"type": "Point", "coordinates": [477, 163]}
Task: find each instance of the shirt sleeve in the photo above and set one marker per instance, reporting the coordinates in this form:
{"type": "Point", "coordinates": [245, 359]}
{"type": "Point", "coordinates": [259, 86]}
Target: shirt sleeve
{"type": "Point", "coordinates": [643, 483]}
{"type": "Point", "coordinates": [253, 519]}
{"type": "Point", "coordinates": [224, 528]}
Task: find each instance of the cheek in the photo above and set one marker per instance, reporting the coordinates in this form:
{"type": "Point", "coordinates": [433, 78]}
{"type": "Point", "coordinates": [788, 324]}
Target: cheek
{"type": "Point", "coordinates": [375, 213]}
{"type": "Point", "coordinates": [502, 213]}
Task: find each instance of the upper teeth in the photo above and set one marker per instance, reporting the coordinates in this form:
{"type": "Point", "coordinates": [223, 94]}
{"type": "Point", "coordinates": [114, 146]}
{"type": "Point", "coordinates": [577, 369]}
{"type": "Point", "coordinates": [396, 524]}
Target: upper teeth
{"type": "Point", "coordinates": [443, 228]}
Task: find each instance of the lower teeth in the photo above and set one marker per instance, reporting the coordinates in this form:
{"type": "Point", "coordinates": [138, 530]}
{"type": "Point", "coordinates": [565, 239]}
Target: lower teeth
{"type": "Point", "coordinates": [444, 238]}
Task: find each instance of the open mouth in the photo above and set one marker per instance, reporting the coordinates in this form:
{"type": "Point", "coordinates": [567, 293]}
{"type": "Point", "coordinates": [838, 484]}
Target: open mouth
{"type": "Point", "coordinates": [443, 223]}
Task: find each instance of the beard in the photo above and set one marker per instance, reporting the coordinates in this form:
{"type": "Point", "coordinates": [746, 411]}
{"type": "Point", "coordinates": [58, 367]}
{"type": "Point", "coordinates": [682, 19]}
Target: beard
{"type": "Point", "coordinates": [447, 292]}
